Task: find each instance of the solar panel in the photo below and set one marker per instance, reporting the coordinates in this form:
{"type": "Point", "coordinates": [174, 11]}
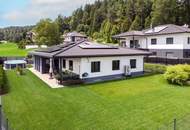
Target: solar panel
{"type": "Point", "coordinates": [89, 45]}
{"type": "Point", "coordinates": [156, 29]}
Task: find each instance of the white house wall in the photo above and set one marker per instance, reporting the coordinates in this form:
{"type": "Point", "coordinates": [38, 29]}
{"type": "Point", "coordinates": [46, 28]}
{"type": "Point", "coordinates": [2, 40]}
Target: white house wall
{"type": "Point", "coordinates": [180, 41]}
{"type": "Point", "coordinates": [106, 65]}
{"type": "Point", "coordinates": [142, 41]}
{"type": "Point", "coordinates": [76, 65]}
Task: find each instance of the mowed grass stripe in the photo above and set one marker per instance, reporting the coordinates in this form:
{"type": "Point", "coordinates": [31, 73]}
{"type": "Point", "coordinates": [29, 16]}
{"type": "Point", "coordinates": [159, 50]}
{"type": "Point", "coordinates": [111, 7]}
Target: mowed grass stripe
{"type": "Point", "coordinates": [142, 103]}
{"type": "Point", "coordinates": [12, 50]}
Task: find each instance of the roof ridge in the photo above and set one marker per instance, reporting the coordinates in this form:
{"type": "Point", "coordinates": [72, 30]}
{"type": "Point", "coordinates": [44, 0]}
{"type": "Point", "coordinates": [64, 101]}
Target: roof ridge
{"type": "Point", "coordinates": [181, 28]}
{"type": "Point", "coordinates": [69, 47]}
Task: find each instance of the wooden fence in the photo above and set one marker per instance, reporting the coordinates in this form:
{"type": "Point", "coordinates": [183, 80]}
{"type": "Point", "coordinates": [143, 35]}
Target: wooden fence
{"type": "Point", "coordinates": [167, 61]}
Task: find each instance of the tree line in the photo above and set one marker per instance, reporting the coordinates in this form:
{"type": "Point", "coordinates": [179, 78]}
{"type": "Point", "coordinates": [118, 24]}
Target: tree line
{"type": "Point", "coordinates": [14, 34]}
{"type": "Point", "coordinates": [105, 18]}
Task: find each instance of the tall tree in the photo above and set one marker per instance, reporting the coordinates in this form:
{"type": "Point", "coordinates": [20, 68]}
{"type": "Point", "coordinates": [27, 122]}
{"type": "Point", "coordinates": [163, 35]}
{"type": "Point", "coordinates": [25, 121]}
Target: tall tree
{"type": "Point", "coordinates": [47, 32]}
{"type": "Point", "coordinates": [62, 23]}
{"type": "Point", "coordinates": [164, 12]}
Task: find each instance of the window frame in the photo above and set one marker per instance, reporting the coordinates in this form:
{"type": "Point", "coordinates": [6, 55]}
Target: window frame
{"type": "Point", "coordinates": [95, 66]}
{"type": "Point", "coordinates": [188, 40]}
{"type": "Point", "coordinates": [115, 65]}
{"type": "Point", "coordinates": [155, 42]}
{"type": "Point", "coordinates": [123, 43]}
{"type": "Point", "coordinates": [70, 65]}
{"type": "Point", "coordinates": [169, 38]}
{"type": "Point", "coordinates": [133, 66]}
{"type": "Point", "coordinates": [64, 63]}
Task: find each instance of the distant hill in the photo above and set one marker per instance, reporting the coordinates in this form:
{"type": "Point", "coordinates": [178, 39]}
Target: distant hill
{"type": "Point", "coordinates": [14, 33]}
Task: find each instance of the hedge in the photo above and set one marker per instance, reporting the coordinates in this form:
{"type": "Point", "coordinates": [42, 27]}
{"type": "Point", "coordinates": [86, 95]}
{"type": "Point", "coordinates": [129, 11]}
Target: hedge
{"type": "Point", "coordinates": [3, 81]}
{"type": "Point", "coordinates": [155, 68]}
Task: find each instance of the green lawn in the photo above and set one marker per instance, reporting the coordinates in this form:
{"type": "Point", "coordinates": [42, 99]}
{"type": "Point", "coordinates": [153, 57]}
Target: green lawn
{"type": "Point", "coordinates": [11, 49]}
{"type": "Point", "coordinates": [136, 104]}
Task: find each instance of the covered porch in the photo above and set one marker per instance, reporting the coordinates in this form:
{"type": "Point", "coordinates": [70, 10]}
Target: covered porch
{"type": "Point", "coordinates": [61, 69]}
{"type": "Point", "coordinates": [51, 82]}
{"type": "Point", "coordinates": [47, 65]}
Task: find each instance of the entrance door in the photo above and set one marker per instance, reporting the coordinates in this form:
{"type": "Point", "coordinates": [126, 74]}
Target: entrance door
{"type": "Point", "coordinates": [45, 65]}
{"type": "Point", "coordinates": [56, 65]}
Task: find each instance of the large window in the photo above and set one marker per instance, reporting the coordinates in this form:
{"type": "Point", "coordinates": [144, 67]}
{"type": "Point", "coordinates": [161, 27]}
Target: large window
{"type": "Point", "coordinates": [115, 65]}
{"type": "Point", "coordinates": [64, 63]}
{"type": "Point", "coordinates": [153, 41]}
{"type": "Point", "coordinates": [134, 44]}
{"type": "Point", "coordinates": [188, 40]}
{"type": "Point", "coordinates": [71, 65]}
{"type": "Point", "coordinates": [169, 40]}
{"type": "Point", "coordinates": [133, 63]}
{"type": "Point", "coordinates": [95, 66]}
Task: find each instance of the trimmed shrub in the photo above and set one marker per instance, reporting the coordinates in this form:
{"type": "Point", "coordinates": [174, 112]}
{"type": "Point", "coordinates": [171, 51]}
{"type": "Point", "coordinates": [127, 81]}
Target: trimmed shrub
{"type": "Point", "coordinates": [29, 66]}
{"type": "Point", "coordinates": [155, 68]}
{"type": "Point", "coordinates": [19, 70]}
{"type": "Point", "coordinates": [178, 74]}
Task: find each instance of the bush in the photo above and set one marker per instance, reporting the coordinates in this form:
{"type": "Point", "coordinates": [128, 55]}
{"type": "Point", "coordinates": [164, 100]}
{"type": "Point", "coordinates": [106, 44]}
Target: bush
{"type": "Point", "coordinates": [22, 44]}
{"type": "Point", "coordinates": [66, 76]}
{"type": "Point", "coordinates": [155, 68]}
{"type": "Point", "coordinates": [29, 66]}
{"type": "Point", "coordinates": [178, 74]}
{"type": "Point", "coordinates": [19, 70]}
{"type": "Point", "coordinates": [3, 81]}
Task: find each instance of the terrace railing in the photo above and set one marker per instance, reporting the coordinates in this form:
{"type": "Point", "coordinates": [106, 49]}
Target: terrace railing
{"type": "Point", "coordinates": [167, 61]}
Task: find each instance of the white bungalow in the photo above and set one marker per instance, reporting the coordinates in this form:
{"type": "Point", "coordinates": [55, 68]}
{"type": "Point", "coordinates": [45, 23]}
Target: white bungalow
{"type": "Point", "coordinates": [91, 61]}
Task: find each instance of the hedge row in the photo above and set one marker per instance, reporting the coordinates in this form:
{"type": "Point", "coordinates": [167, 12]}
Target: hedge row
{"type": "Point", "coordinates": [3, 81]}
{"type": "Point", "coordinates": [155, 68]}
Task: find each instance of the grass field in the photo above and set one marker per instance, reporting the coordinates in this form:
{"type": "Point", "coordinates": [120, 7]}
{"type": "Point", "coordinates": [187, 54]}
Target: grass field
{"type": "Point", "coordinates": [11, 49]}
{"type": "Point", "coordinates": [136, 104]}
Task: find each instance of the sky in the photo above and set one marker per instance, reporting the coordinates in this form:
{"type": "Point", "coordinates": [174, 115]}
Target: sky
{"type": "Point", "coordinates": [29, 12]}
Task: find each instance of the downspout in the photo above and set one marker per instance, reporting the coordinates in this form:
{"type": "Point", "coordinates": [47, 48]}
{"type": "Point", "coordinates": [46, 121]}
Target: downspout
{"type": "Point", "coordinates": [133, 41]}
{"type": "Point", "coordinates": [147, 43]}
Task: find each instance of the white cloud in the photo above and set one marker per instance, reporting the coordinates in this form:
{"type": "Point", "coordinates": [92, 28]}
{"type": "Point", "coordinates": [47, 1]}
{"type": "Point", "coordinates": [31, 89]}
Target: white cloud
{"type": "Point", "coordinates": [38, 9]}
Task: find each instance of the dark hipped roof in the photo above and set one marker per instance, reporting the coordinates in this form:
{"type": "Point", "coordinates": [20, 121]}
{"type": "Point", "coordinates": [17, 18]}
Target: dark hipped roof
{"type": "Point", "coordinates": [129, 33]}
{"type": "Point", "coordinates": [53, 50]}
{"type": "Point", "coordinates": [158, 30]}
{"type": "Point", "coordinates": [89, 49]}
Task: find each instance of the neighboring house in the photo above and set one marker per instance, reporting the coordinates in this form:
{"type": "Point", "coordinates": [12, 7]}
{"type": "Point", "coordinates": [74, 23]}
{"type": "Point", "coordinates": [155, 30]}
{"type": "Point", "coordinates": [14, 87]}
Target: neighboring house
{"type": "Point", "coordinates": [30, 36]}
{"type": "Point", "coordinates": [91, 61]}
{"type": "Point", "coordinates": [169, 41]}
{"type": "Point", "coordinates": [74, 37]}
{"type": "Point", "coordinates": [35, 46]}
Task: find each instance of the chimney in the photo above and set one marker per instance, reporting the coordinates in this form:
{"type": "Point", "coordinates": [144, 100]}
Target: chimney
{"type": "Point", "coordinates": [186, 25]}
{"type": "Point", "coordinates": [152, 28]}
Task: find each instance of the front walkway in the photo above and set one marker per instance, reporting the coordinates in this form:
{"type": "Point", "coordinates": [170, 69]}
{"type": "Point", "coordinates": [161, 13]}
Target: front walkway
{"type": "Point", "coordinates": [45, 77]}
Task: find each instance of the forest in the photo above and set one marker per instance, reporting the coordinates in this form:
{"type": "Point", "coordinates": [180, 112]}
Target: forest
{"type": "Point", "coordinates": [105, 18]}
{"type": "Point", "coordinates": [14, 33]}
